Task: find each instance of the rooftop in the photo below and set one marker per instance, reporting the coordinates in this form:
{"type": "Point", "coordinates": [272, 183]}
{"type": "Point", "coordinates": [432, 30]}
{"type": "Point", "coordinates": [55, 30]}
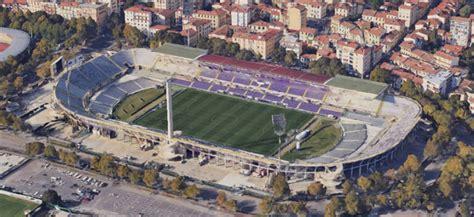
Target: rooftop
{"type": "Point", "coordinates": [357, 84]}
{"type": "Point", "coordinates": [18, 41]}
{"type": "Point", "coordinates": [180, 51]}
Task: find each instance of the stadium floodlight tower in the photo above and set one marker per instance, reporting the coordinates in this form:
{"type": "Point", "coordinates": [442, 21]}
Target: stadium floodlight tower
{"type": "Point", "coordinates": [169, 109]}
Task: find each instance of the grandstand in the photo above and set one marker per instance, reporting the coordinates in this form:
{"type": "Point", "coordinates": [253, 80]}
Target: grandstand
{"type": "Point", "coordinates": [89, 93]}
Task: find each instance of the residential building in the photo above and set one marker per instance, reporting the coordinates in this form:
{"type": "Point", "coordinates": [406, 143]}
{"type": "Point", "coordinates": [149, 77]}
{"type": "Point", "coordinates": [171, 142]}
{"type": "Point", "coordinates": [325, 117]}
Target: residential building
{"type": "Point", "coordinates": [69, 10]}
{"type": "Point", "coordinates": [307, 35]}
{"type": "Point", "coordinates": [438, 83]}
{"type": "Point", "coordinates": [202, 28]}
{"type": "Point", "coordinates": [168, 4]}
{"type": "Point", "coordinates": [240, 16]}
{"type": "Point", "coordinates": [217, 18]}
{"type": "Point", "coordinates": [143, 17]}
{"type": "Point", "coordinates": [408, 13]}
{"type": "Point", "coordinates": [358, 59]}
{"type": "Point", "coordinates": [460, 29]}
{"type": "Point", "coordinates": [290, 42]}
{"type": "Point", "coordinates": [262, 44]}
{"type": "Point", "coordinates": [445, 60]}
{"type": "Point", "coordinates": [296, 17]}
{"type": "Point", "coordinates": [315, 9]}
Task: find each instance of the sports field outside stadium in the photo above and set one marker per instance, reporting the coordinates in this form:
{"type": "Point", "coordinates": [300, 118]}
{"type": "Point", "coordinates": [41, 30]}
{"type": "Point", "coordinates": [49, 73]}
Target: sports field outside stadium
{"type": "Point", "coordinates": [13, 207]}
{"type": "Point", "coordinates": [225, 120]}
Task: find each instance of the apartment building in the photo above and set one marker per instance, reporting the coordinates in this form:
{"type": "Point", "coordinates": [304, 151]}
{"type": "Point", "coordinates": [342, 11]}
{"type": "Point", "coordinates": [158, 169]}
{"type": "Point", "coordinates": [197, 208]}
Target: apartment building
{"type": "Point", "coordinates": [440, 82]}
{"type": "Point", "coordinates": [69, 10]}
{"type": "Point", "coordinates": [315, 9]}
{"type": "Point", "coordinates": [296, 17]}
{"type": "Point", "coordinates": [357, 58]}
{"type": "Point", "coordinates": [408, 13]}
{"type": "Point", "coordinates": [168, 4]}
{"type": "Point", "coordinates": [201, 27]}
{"type": "Point", "coordinates": [262, 44]}
{"type": "Point", "coordinates": [240, 16]}
{"type": "Point", "coordinates": [308, 35]}
{"type": "Point", "coordinates": [460, 31]}
{"type": "Point", "coordinates": [97, 11]}
{"type": "Point", "coordinates": [217, 18]}
{"type": "Point", "coordinates": [445, 60]}
{"type": "Point", "coordinates": [143, 17]}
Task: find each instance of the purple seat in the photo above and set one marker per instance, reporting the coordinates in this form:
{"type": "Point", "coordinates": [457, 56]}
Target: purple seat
{"type": "Point", "coordinates": [209, 74]}
{"type": "Point", "coordinates": [272, 98]}
{"type": "Point", "coordinates": [279, 86]}
{"type": "Point", "coordinates": [290, 103]}
{"type": "Point", "coordinates": [201, 85]}
{"type": "Point", "coordinates": [330, 112]}
{"type": "Point", "coordinates": [242, 80]}
{"type": "Point", "coordinates": [181, 82]}
{"type": "Point", "coordinates": [217, 88]}
{"type": "Point", "coordinates": [309, 107]}
{"type": "Point", "coordinates": [315, 94]}
{"type": "Point", "coordinates": [296, 91]}
{"type": "Point", "coordinates": [236, 91]}
{"type": "Point", "coordinates": [254, 94]}
{"type": "Point", "coordinates": [225, 76]}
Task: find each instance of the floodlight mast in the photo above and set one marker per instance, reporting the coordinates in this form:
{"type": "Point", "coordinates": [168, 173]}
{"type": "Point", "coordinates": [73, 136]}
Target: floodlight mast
{"type": "Point", "coordinates": [169, 109]}
{"type": "Point", "coordinates": [279, 128]}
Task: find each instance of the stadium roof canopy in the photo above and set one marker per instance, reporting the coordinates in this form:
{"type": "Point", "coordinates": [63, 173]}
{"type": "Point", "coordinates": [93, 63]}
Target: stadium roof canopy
{"type": "Point", "coordinates": [180, 51]}
{"type": "Point", "coordinates": [263, 68]}
{"type": "Point", "coordinates": [357, 84]}
{"type": "Point", "coordinates": [18, 41]}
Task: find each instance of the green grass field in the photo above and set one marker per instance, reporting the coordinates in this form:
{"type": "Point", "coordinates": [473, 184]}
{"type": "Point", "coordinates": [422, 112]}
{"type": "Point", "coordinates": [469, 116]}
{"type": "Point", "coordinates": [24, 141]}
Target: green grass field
{"type": "Point", "coordinates": [12, 207]}
{"type": "Point", "coordinates": [225, 120]}
{"type": "Point", "coordinates": [135, 102]}
{"type": "Point", "coordinates": [324, 138]}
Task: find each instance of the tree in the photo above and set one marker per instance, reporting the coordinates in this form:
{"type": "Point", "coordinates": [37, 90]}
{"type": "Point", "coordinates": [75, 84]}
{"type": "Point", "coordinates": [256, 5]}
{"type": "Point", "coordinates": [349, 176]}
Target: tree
{"type": "Point", "coordinates": [408, 88]}
{"type": "Point", "coordinates": [71, 159]}
{"type": "Point", "coordinates": [290, 58]}
{"type": "Point", "coordinates": [221, 198]}
{"type": "Point", "coordinates": [346, 186]}
{"type": "Point", "coordinates": [44, 71]}
{"type": "Point", "coordinates": [280, 186]}
{"type": "Point", "coordinates": [34, 148]}
{"type": "Point", "coordinates": [177, 184]}
{"type": "Point", "coordinates": [135, 176]}
{"type": "Point", "coordinates": [326, 66]}
{"type": "Point", "coordinates": [375, 4]}
{"type": "Point", "coordinates": [278, 55]}
{"type": "Point", "coordinates": [50, 152]}
{"type": "Point", "coordinates": [364, 183]}
{"type": "Point", "coordinates": [149, 177]}
{"type": "Point", "coordinates": [332, 207]}
{"type": "Point", "coordinates": [353, 203]}
{"type": "Point", "coordinates": [316, 189]}
{"type": "Point", "coordinates": [244, 55]}
{"type": "Point", "coordinates": [453, 167]}
{"type": "Point", "coordinates": [18, 83]}
{"type": "Point", "coordinates": [133, 36]}
{"type": "Point", "coordinates": [446, 186]}
{"type": "Point", "coordinates": [465, 152]}
{"type": "Point", "coordinates": [231, 205]}
{"type": "Point", "coordinates": [379, 182]}
{"type": "Point", "coordinates": [122, 171]}
{"type": "Point", "coordinates": [297, 207]}
{"type": "Point", "coordinates": [51, 197]}
{"type": "Point", "coordinates": [106, 165]}
{"type": "Point", "coordinates": [265, 205]}
{"type": "Point", "coordinates": [191, 191]}
{"type": "Point", "coordinates": [465, 11]}
{"type": "Point", "coordinates": [410, 166]}
{"type": "Point", "coordinates": [380, 75]}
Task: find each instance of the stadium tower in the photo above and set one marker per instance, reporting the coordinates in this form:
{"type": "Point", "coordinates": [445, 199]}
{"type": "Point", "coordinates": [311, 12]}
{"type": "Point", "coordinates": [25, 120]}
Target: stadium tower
{"type": "Point", "coordinates": [169, 108]}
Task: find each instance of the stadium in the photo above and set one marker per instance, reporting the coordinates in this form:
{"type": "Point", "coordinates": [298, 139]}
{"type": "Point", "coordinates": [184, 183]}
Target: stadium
{"type": "Point", "coordinates": [221, 112]}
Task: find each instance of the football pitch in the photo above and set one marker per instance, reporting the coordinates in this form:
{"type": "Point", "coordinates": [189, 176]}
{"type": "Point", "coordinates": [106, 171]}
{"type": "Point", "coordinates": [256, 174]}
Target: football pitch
{"type": "Point", "coordinates": [225, 120]}
{"type": "Point", "coordinates": [12, 207]}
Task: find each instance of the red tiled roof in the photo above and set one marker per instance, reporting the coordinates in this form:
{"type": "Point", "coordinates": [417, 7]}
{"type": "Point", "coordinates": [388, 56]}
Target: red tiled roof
{"type": "Point", "coordinates": [264, 68]}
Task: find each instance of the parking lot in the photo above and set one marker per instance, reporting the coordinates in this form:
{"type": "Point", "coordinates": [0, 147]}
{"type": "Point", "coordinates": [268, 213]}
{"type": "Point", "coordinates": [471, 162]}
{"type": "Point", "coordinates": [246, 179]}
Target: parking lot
{"type": "Point", "coordinates": [113, 200]}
